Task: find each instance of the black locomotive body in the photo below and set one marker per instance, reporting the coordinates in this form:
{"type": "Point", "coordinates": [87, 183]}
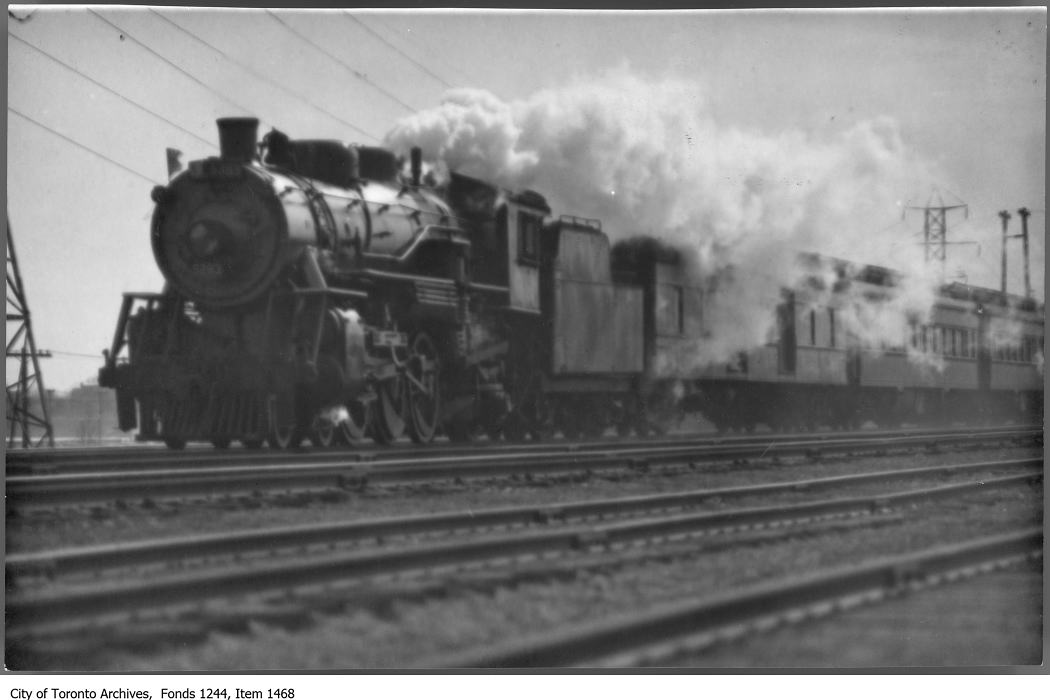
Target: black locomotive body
{"type": "Point", "coordinates": [309, 293]}
{"type": "Point", "coordinates": [314, 290]}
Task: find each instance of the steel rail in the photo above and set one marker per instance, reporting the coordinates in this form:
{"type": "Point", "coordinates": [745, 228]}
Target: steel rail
{"type": "Point", "coordinates": [586, 644]}
{"type": "Point", "coordinates": [91, 459]}
{"type": "Point", "coordinates": [58, 489]}
{"type": "Point", "coordinates": [93, 558]}
{"type": "Point", "coordinates": [72, 605]}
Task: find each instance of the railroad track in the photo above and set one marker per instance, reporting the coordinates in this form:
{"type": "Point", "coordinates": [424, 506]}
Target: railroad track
{"type": "Point", "coordinates": [154, 484]}
{"type": "Point", "coordinates": [692, 625]}
{"type": "Point", "coordinates": [52, 593]}
{"type": "Point", "coordinates": [138, 458]}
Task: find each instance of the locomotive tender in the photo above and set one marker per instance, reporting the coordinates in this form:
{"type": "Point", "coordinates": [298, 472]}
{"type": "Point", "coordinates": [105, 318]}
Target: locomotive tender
{"type": "Point", "coordinates": [313, 290]}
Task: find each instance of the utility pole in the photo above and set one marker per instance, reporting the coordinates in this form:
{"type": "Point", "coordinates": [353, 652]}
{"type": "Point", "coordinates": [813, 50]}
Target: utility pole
{"type": "Point", "coordinates": [1005, 216]}
{"type": "Point", "coordinates": [1024, 213]}
{"type": "Point", "coordinates": [23, 424]}
{"type": "Point", "coordinates": [935, 231]}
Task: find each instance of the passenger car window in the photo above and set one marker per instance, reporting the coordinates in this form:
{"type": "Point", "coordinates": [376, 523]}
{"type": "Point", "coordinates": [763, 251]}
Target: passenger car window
{"type": "Point", "coordinates": [670, 317]}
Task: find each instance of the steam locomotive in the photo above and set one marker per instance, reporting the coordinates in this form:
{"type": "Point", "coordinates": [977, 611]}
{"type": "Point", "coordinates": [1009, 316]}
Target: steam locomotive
{"type": "Point", "coordinates": [314, 291]}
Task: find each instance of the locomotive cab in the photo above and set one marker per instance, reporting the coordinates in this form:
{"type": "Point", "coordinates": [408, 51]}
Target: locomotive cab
{"type": "Point", "coordinates": [505, 232]}
{"type": "Point", "coordinates": [524, 217]}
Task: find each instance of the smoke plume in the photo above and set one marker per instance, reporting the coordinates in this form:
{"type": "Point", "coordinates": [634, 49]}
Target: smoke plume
{"type": "Point", "coordinates": [650, 158]}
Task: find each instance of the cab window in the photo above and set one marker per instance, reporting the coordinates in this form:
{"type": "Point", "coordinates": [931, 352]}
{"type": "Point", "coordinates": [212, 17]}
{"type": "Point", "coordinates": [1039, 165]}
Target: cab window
{"type": "Point", "coordinates": [528, 239]}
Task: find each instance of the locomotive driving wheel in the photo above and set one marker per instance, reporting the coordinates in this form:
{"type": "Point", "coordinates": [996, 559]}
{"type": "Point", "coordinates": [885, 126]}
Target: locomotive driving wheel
{"type": "Point", "coordinates": [284, 437]}
{"type": "Point", "coordinates": [354, 427]}
{"type": "Point", "coordinates": [388, 421]}
{"type": "Point", "coordinates": [422, 389]}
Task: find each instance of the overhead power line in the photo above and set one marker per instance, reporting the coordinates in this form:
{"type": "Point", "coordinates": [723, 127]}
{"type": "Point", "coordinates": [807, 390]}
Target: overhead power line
{"type": "Point", "coordinates": [411, 60]}
{"type": "Point", "coordinates": [82, 355]}
{"type": "Point", "coordinates": [262, 76]}
{"type": "Point", "coordinates": [172, 64]}
{"type": "Point", "coordinates": [76, 143]}
{"type": "Point", "coordinates": [111, 90]}
{"type": "Point", "coordinates": [420, 45]}
{"type": "Point", "coordinates": [356, 73]}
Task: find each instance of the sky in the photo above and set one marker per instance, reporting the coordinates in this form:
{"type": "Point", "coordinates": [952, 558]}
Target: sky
{"type": "Point", "coordinates": [668, 121]}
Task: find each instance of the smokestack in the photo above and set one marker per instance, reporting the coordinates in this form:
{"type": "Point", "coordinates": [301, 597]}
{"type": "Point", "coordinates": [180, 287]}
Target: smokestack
{"type": "Point", "coordinates": [417, 164]}
{"type": "Point", "coordinates": [1005, 216]}
{"type": "Point", "coordinates": [237, 137]}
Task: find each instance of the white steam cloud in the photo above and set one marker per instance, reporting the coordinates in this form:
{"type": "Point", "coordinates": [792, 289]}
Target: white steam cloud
{"type": "Point", "coordinates": [649, 158]}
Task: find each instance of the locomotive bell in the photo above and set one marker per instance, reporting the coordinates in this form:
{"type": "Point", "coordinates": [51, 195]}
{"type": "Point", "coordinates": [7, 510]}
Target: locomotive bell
{"type": "Point", "coordinates": [237, 138]}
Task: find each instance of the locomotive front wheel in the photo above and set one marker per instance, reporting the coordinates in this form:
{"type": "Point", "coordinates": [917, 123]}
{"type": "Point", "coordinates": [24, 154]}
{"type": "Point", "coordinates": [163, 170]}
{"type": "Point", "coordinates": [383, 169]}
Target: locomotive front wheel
{"type": "Point", "coordinates": [423, 396]}
{"type": "Point", "coordinates": [283, 433]}
{"type": "Point", "coordinates": [284, 437]}
{"type": "Point", "coordinates": [322, 433]}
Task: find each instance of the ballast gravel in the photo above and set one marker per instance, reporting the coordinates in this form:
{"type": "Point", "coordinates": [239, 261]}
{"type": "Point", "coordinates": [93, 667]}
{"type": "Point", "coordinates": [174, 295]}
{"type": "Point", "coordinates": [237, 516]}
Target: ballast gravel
{"type": "Point", "coordinates": [36, 530]}
{"type": "Point", "coordinates": [409, 634]}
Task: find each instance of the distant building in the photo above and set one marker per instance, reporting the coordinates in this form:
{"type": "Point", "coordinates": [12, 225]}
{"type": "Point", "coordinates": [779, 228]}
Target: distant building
{"type": "Point", "coordinates": [87, 415]}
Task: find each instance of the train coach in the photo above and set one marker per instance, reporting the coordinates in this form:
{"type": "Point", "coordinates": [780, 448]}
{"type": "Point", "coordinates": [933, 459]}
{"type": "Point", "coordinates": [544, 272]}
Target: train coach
{"type": "Point", "coordinates": [977, 357]}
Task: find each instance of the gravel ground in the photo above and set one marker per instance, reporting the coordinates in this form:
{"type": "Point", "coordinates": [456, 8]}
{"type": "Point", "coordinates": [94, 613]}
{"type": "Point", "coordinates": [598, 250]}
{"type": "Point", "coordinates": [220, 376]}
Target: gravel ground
{"type": "Point", "coordinates": [993, 619]}
{"type": "Point", "coordinates": [406, 634]}
{"type": "Point", "coordinates": [36, 530]}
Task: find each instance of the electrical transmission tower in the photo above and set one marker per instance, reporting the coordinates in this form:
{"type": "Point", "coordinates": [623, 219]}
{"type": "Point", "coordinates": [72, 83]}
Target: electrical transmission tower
{"type": "Point", "coordinates": [935, 230]}
{"type": "Point", "coordinates": [28, 424]}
